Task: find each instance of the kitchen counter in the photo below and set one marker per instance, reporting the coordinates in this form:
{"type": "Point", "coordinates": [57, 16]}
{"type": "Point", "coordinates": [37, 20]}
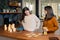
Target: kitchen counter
{"type": "Point", "coordinates": [21, 35]}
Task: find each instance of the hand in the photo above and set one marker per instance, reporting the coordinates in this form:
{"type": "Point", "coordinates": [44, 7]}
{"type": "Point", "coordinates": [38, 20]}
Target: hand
{"type": "Point", "coordinates": [45, 28]}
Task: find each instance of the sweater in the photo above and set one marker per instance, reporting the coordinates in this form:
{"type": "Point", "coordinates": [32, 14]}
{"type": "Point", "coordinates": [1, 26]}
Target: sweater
{"type": "Point", "coordinates": [31, 23]}
{"type": "Point", "coordinates": [52, 24]}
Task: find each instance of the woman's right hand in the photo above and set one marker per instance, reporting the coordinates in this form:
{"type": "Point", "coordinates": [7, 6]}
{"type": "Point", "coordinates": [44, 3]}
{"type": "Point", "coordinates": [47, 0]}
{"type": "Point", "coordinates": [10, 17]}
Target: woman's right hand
{"type": "Point", "coordinates": [45, 28]}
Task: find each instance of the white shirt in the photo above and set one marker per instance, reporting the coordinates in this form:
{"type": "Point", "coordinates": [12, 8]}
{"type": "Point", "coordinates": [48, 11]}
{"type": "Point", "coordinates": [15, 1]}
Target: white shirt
{"type": "Point", "coordinates": [31, 23]}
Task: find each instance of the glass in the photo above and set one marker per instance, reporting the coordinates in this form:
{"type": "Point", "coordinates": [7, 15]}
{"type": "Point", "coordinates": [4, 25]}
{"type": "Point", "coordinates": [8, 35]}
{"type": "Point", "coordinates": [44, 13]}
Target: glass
{"type": "Point", "coordinates": [12, 10]}
{"type": "Point", "coordinates": [4, 10]}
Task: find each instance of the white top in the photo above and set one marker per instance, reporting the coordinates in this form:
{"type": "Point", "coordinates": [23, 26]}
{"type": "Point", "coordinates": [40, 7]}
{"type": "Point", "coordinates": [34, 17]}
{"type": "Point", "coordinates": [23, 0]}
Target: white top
{"type": "Point", "coordinates": [31, 23]}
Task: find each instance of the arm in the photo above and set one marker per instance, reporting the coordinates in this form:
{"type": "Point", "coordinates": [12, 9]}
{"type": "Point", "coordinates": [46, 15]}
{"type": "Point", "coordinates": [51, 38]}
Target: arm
{"type": "Point", "coordinates": [37, 22]}
{"type": "Point", "coordinates": [44, 28]}
{"type": "Point", "coordinates": [55, 23]}
{"type": "Point", "coordinates": [43, 24]}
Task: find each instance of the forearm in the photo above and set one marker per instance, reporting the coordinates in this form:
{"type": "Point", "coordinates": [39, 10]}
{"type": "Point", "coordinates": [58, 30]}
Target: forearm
{"type": "Point", "coordinates": [53, 28]}
{"type": "Point", "coordinates": [38, 24]}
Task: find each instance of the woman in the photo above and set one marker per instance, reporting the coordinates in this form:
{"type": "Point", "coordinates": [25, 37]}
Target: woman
{"type": "Point", "coordinates": [50, 23]}
{"type": "Point", "coordinates": [30, 21]}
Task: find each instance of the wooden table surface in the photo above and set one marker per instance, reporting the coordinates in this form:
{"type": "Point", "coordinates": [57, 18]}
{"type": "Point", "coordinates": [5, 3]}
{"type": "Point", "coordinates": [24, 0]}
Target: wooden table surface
{"type": "Point", "coordinates": [22, 35]}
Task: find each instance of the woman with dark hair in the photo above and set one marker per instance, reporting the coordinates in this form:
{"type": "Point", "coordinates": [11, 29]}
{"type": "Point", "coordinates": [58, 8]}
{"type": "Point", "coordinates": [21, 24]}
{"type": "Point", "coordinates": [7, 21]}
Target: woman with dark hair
{"type": "Point", "coordinates": [50, 23]}
{"type": "Point", "coordinates": [30, 21]}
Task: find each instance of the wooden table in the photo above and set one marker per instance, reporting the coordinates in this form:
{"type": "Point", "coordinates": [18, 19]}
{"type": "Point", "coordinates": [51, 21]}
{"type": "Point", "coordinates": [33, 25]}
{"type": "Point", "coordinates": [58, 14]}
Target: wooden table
{"type": "Point", "coordinates": [22, 35]}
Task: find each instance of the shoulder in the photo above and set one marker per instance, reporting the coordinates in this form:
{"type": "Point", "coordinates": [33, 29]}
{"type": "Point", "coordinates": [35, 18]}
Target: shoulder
{"type": "Point", "coordinates": [33, 14]}
{"type": "Point", "coordinates": [54, 18]}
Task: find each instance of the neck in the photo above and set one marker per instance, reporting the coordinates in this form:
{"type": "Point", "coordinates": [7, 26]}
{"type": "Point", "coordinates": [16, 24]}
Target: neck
{"type": "Point", "coordinates": [28, 14]}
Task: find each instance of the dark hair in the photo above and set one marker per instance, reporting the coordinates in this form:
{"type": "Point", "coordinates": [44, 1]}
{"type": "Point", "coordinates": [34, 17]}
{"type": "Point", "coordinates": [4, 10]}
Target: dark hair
{"type": "Point", "coordinates": [50, 13]}
{"type": "Point", "coordinates": [23, 12]}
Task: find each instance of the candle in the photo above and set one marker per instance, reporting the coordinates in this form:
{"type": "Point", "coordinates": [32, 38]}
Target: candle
{"type": "Point", "coordinates": [14, 29]}
{"type": "Point", "coordinates": [10, 30]}
{"type": "Point", "coordinates": [5, 27]}
{"type": "Point", "coordinates": [45, 30]}
{"type": "Point", "coordinates": [13, 26]}
{"type": "Point", "coordinates": [9, 27]}
{"type": "Point", "coordinates": [45, 33]}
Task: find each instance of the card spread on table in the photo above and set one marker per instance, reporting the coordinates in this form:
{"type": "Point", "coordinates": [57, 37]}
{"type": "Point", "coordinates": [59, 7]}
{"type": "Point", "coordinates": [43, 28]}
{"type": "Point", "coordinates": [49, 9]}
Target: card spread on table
{"type": "Point", "coordinates": [33, 34]}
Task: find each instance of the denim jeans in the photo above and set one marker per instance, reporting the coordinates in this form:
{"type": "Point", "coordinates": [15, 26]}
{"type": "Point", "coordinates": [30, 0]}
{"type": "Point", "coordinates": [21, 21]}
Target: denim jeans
{"type": "Point", "coordinates": [20, 28]}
